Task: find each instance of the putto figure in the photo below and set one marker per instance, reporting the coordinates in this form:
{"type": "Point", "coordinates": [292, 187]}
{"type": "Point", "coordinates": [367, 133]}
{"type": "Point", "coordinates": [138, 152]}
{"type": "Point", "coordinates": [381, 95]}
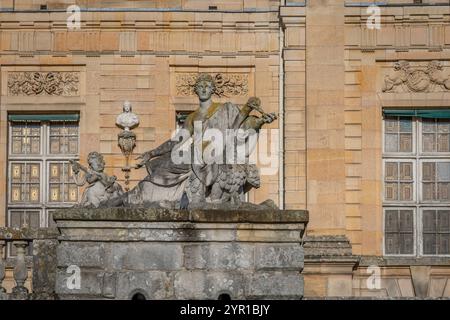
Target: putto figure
{"type": "Point", "coordinates": [192, 184]}
{"type": "Point", "coordinates": [101, 187]}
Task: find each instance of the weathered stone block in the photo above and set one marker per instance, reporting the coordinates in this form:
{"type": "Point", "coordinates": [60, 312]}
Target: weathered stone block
{"type": "Point", "coordinates": [91, 283]}
{"type": "Point", "coordinates": [81, 254]}
{"type": "Point", "coordinates": [209, 285]}
{"type": "Point", "coordinates": [275, 285]}
{"type": "Point", "coordinates": [146, 256]}
{"type": "Point", "coordinates": [274, 256]}
{"type": "Point", "coordinates": [153, 284]}
{"type": "Point", "coordinates": [228, 256]}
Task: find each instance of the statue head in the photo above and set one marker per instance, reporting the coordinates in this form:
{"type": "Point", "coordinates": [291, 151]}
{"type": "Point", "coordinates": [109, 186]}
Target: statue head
{"type": "Point", "coordinates": [96, 161]}
{"type": "Point", "coordinates": [434, 65]}
{"type": "Point", "coordinates": [401, 65]}
{"type": "Point", "coordinates": [204, 86]}
{"type": "Point", "coordinates": [127, 106]}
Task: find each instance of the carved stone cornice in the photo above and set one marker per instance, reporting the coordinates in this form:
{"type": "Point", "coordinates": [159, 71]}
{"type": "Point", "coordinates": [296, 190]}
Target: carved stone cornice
{"type": "Point", "coordinates": [54, 83]}
{"type": "Point", "coordinates": [227, 84]}
{"type": "Point", "coordinates": [407, 78]}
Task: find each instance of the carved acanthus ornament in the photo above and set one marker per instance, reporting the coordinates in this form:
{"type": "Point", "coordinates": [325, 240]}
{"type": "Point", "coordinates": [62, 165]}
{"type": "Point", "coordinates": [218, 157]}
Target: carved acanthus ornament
{"type": "Point", "coordinates": [53, 83]}
{"type": "Point", "coordinates": [227, 84]}
{"type": "Point", "coordinates": [407, 78]}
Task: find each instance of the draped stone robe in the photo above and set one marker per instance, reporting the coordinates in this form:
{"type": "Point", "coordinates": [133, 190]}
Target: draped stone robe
{"type": "Point", "coordinates": [167, 180]}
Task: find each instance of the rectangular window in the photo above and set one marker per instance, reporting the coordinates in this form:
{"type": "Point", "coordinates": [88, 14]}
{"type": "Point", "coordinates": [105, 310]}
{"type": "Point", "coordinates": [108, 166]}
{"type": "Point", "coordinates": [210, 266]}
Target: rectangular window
{"type": "Point", "coordinates": [399, 229]}
{"type": "Point", "coordinates": [40, 176]}
{"type": "Point", "coordinates": [416, 166]}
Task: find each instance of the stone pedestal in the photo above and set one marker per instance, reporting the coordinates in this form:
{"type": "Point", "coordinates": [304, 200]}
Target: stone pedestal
{"type": "Point", "coordinates": [170, 254]}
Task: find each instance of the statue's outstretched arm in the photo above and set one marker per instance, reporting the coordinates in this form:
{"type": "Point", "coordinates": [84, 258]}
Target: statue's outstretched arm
{"type": "Point", "coordinates": [80, 179]}
{"type": "Point", "coordinates": [256, 123]}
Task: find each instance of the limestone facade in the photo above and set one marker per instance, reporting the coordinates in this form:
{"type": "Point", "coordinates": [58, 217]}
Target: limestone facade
{"type": "Point", "coordinates": [317, 62]}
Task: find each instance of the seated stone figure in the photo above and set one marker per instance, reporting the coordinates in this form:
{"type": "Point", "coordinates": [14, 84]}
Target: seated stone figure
{"type": "Point", "coordinates": [201, 182]}
{"type": "Point", "coordinates": [101, 187]}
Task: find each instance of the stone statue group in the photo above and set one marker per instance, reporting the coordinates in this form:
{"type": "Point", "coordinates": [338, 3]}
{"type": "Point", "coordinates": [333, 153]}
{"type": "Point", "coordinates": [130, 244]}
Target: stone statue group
{"type": "Point", "coordinates": [186, 184]}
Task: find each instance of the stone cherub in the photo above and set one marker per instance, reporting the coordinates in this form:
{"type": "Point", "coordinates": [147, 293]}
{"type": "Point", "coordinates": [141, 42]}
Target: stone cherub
{"type": "Point", "coordinates": [101, 187]}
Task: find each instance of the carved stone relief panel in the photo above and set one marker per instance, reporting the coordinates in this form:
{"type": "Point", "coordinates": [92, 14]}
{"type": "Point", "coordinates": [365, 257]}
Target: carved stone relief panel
{"type": "Point", "coordinates": [407, 77]}
{"type": "Point", "coordinates": [227, 84]}
{"type": "Point", "coordinates": [37, 83]}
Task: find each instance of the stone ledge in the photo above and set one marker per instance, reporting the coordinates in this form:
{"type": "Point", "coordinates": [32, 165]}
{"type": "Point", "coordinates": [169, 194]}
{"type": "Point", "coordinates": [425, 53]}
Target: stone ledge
{"type": "Point", "coordinates": [196, 216]}
{"type": "Point", "coordinates": [403, 261]}
{"type": "Point", "coordinates": [28, 234]}
{"type": "Point", "coordinates": [321, 247]}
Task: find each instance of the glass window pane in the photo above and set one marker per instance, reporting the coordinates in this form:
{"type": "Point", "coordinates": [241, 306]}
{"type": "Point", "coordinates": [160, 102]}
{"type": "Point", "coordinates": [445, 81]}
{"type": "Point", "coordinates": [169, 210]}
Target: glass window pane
{"type": "Point", "coordinates": [63, 138]}
{"type": "Point", "coordinates": [391, 171]}
{"type": "Point", "coordinates": [406, 171]}
{"type": "Point", "coordinates": [443, 125]}
{"type": "Point", "coordinates": [406, 221]}
{"type": "Point", "coordinates": [443, 244]}
{"type": "Point", "coordinates": [406, 243]}
{"type": "Point", "coordinates": [391, 125]}
{"type": "Point", "coordinates": [443, 142]}
{"type": "Point", "coordinates": [428, 171]}
{"type": "Point", "coordinates": [62, 187]}
{"type": "Point", "coordinates": [405, 142]}
{"type": "Point", "coordinates": [428, 142]}
{"type": "Point", "coordinates": [391, 191]}
{"type": "Point", "coordinates": [428, 191]}
{"type": "Point", "coordinates": [33, 219]}
{"type": "Point", "coordinates": [26, 138]}
{"type": "Point", "coordinates": [429, 243]}
{"type": "Point", "coordinates": [391, 221]}
{"type": "Point", "coordinates": [25, 182]}
{"type": "Point", "coordinates": [428, 125]}
{"type": "Point", "coordinates": [429, 221]}
{"type": "Point", "coordinates": [443, 221]}
{"type": "Point", "coordinates": [391, 142]}
{"type": "Point", "coordinates": [443, 171]}
{"type": "Point", "coordinates": [405, 125]}
{"type": "Point", "coordinates": [443, 194]}
{"type": "Point", "coordinates": [392, 243]}
{"type": "Point", "coordinates": [406, 191]}
{"type": "Point", "coordinates": [15, 218]}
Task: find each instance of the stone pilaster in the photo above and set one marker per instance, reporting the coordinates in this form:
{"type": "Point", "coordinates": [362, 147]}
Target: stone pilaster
{"type": "Point", "coordinates": [325, 159]}
{"type": "Point", "coordinates": [293, 24]}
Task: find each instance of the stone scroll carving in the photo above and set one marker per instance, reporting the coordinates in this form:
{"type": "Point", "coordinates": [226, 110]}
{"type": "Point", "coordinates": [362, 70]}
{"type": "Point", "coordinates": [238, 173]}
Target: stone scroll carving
{"type": "Point", "coordinates": [53, 83]}
{"type": "Point", "coordinates": [227, 84]}
{"type": "Point", "coordinates": [407, 78]}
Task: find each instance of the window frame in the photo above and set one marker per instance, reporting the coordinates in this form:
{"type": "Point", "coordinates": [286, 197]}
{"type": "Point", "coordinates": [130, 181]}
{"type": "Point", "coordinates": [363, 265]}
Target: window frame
{"type": "Point", "coordinates": [420, 234]}
{"type": "Point", "coordinates": [414, 194]}
{"type": "Point", "coordinates": [26, 155]}
{"type": "Point", "coordinates": [415, 231]}
{"type": "Point", "coordinates": [420, 200]}
{"type": "Point", "coordinates": [420, 152]}
{"type": "Point", "coordinates": [400, 154]}
{"type": "Point", "coordinates": [418, 205]}
{"type": "Point", "coordinates": [58, 204]}
{"type": "Point", "coordinates": [44, 158]}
